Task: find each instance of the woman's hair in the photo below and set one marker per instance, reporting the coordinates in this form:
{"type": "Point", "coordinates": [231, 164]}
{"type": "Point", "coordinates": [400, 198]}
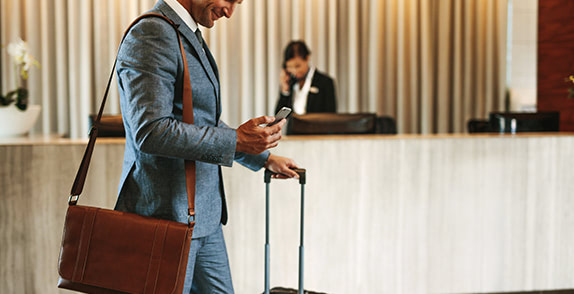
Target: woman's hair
{"type": "Point", "coordinates": [296, 49]}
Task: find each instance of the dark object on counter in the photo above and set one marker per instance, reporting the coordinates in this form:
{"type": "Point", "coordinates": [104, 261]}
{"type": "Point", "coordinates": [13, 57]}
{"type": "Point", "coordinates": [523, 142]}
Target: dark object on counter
{"type": "Point", "coordinates": [516, 122]}
{"type": "Point", "coordinates": [332, 123]}
{"type": "Point", "coordinates": [386, 125]}
{"type": "Point", "coordinates": [109, 126]}
{"type": "Point", "coordinates": [478, 126]}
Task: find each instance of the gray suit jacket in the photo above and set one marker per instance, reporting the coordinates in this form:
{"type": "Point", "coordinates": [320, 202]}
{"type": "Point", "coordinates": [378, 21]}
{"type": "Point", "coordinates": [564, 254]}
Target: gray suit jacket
{"type": "Point", "coordinates": [150, 72]}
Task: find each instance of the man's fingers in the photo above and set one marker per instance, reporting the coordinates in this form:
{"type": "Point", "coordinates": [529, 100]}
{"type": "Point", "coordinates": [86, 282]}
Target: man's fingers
{"type": "Point", "coordinates": [286, 174]}
{"type": "Point", "coordinates": [278, 126]}
{"type": "Point", "coordinates": [274, 141]}
{"type": "Point", "coordinates": [292, 173]}
{"type": "Point", "coordinates": [253, 138]}
{"type": "Point", "coordinates": [263, 120]}
{"type": "Point", "coordinates": [277, 136]}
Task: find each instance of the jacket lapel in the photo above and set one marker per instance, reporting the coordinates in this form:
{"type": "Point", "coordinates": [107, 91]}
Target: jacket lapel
{"type": "Point", "coordinates": [212, 62]}
{"type": "Point", "coordinates": [214, 67]}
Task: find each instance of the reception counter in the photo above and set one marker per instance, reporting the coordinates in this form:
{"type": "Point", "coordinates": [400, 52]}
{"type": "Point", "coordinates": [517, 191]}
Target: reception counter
{"type": "Point", "coordinates": [384, 214]}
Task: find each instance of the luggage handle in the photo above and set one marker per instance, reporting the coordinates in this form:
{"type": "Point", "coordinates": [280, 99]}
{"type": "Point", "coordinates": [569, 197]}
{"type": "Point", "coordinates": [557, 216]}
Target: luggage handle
{"type": "Point", "coordinates": [302, 180]}
{"type": "Point", "coordinates": [300, 171]}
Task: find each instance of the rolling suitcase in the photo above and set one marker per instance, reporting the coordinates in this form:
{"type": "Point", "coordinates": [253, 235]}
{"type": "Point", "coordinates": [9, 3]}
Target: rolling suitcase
{"type": "Point", "coordinates": [282, 290]}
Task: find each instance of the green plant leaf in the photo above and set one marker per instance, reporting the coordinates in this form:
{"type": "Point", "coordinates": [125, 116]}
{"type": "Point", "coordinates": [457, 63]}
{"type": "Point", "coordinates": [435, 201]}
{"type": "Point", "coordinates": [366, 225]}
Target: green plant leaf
{"type": "Point", "coordinates": [20, 96]}
{"type": "Point", "coordinates": [9, 99]}
{"type": "Point", "coordinates": [4, 100]}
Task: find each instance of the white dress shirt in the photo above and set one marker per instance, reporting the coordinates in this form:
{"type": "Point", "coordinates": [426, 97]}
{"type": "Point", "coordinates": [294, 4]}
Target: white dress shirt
{"type": "Point", "coordinates": [300, 94]}
{"type": "Point", "coordinates": [183, 14]}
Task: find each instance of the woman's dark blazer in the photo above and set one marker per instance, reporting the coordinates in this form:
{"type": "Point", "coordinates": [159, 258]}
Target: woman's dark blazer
{"type": "Point", "coordinates": [323, 101]}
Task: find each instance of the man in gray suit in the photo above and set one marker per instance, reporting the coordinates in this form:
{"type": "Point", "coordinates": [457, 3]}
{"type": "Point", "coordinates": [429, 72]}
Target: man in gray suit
{"type": "Point", "coordinates": [150, 72]}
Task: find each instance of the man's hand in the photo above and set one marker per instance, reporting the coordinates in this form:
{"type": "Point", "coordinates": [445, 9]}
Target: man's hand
{"type": "Point", "coordinates": [252, 138]}
{"type": "Point", "coordinates": [281, 166]}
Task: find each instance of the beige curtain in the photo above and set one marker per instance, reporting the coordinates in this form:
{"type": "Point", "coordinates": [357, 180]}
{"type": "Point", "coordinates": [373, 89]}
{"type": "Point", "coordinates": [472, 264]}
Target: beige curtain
{"type": "Point", "coordinates": [431, 64]}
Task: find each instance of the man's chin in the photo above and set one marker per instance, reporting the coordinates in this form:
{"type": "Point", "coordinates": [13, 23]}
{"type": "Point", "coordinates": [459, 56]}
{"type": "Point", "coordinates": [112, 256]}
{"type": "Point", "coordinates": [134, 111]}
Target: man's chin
{"type": "Point", "coordinates": [208, 24]}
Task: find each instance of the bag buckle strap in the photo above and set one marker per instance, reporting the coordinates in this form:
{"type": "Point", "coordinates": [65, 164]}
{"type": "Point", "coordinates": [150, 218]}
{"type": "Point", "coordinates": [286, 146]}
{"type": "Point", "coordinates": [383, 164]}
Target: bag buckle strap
{"type": "Point", "coordinates": [191, 217]}
{"type": "Point", "coordinates": [73, 199]}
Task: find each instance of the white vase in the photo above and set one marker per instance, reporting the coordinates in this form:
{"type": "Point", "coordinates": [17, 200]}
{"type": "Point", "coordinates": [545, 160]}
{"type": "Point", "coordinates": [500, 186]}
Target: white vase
{"type": "Point", "coordinates": [15, 122]}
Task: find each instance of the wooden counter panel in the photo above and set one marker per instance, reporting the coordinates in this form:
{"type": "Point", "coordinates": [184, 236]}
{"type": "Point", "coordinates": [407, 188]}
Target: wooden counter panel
{"type": "Point", "coordinates": [35, 185]}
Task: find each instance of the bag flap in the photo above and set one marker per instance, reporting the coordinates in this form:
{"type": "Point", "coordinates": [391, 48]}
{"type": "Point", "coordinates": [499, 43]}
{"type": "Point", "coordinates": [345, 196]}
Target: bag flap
{"type": "Point", "coordinates": [123, 251]}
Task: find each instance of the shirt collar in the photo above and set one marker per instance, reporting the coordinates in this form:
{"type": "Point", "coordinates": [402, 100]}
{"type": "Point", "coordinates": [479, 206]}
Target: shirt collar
{"type": "Point", "coordinates": [183, 14]}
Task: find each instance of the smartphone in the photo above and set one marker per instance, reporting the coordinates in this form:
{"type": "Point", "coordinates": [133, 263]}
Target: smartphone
{"type": "Point", "coordinates": [283, 113]}
{"type": "Point", "coordinates": [292, 78]}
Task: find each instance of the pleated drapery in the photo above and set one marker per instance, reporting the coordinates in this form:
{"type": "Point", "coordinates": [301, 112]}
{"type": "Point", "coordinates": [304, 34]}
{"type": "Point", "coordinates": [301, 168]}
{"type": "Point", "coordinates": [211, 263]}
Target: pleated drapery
{"type": "Point", "coordinates": [76, 43]}
{"type": "Point", "coordinates": [431, 64]}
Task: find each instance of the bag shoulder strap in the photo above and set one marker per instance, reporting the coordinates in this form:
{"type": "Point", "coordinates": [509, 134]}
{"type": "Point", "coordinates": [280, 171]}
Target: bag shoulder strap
{"type": "Point", "coordinates": [80, 179]}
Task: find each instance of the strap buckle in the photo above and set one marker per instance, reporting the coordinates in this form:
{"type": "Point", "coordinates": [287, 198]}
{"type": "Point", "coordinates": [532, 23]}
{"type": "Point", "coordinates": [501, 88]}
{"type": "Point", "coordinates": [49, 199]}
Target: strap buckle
{"type": "Point", "coordinates": [73, 199]}
{"type": "Point", "coordinates": [191, 218]}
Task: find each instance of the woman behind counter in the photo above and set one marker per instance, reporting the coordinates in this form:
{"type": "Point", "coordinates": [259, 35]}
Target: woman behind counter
{"type": "Point", "coordinates": [303, 88]}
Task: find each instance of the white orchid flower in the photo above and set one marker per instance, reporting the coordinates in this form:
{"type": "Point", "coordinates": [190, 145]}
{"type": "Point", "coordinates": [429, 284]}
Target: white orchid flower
{"type": "Point", "coordinates": [19, 51]}
{"type": "Point", "coordinates": [23, 62]}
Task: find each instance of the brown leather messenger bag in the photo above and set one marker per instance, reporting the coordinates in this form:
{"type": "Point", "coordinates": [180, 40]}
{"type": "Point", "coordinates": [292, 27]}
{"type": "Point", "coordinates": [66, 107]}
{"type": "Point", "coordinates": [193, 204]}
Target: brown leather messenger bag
{"type": "Point", "coordinates": [108, 251]}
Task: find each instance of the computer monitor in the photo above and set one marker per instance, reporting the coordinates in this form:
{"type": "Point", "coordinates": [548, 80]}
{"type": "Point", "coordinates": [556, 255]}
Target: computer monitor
{"type": "Point", "coordinates": [514, 122]}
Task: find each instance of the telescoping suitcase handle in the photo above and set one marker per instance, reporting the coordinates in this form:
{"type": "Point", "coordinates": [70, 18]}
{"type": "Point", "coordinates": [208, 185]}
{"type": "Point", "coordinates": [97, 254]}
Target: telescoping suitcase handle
{"type": "Point", "coordinates": [302, 179]}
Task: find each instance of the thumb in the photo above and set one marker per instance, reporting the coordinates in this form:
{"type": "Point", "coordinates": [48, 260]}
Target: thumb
{"type": "Point", "coordinates": [263, 120]}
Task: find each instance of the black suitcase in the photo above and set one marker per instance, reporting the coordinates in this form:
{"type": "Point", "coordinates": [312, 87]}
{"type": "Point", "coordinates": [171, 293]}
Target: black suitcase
{"type": "Point", "coordinates": [281, 290]}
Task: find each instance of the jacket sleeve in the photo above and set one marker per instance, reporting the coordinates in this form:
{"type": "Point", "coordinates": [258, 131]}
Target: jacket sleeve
{"type": "Point", "coordinates": [149, 68]}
